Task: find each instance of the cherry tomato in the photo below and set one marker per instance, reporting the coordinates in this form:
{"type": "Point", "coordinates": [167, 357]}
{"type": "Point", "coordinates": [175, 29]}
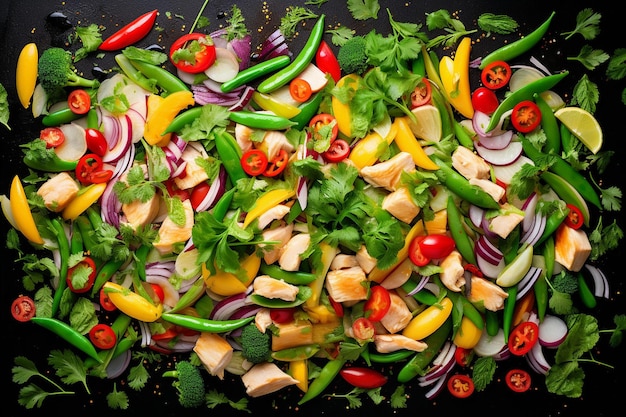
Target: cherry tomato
{"type": "Point", "coordinates": [79, 101]}
{"type": "Point", "coordinates": [105, 301]}
{"type": "Point", "coordinates": [523, 338]}
{"type": "Point", "coordinates": [158, 292]}
{"type": "Point", "coordinates": [526, 116]}
{"type": "Point", "coordinates": [436, 246]}
{"type": "Point", "coordinates": [378, 304]}
{"type": "Point", "coordinates": [53, 136]}
{"type": "Point", "coordinates": [300, 90]}
{"type": "Point", "coordinates": [496, 75]}
{"type": "Point", "coordinates": [362, 377]}
{"type": "Point", "coordinates": [277, 164]}
{"type": "Point", "coordinates": [96, 142]}
{"type": "Point", "coordinates": [324, 127]}
{"type": "Point", "coordinates": [198, 193]}
{"type": "Point", "coordinates": [174, 191]}
{"type": "Point", "coordinates": [89, 170]}
{"type": "Point", "coordinates": [326, 61]}
{"type": "Point", "coordinates": [338, 307]}
{"type": "Point", "coordinates": [338, 151]}
{"type": "Point", "coordinates": [574, 218]}
{"type": "Point", "coordinates": [23, 308]}
{"type": "Point", "coordinates": [460, 386]}
{"type": "Point", "coordinates": [193, 53]}
{"type": "Point", "coordinates": [518, 380]}
{"type": "Point", "coordinates": [80, 277]}
{"type": "Point", "coordinates": [415, 252]}
{"type": "Point", "coordinates": [421, 94]}
{"type": "Point", "coordinates": [463, 356]}
{"type": "Point", "coordinates": [102, 336]}
{"type": "Point", "coordinates": [363, 329]}
{"type": "Point", "coordinates": [485, 100]}
{"type": "Point", "coordinates": [254, 162]}
{"type": "Point", "coordinates": [282, 315]}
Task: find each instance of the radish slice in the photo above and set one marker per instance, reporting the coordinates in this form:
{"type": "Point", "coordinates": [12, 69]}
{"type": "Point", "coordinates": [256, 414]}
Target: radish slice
{"type": "Point", "coordinates": [505, 173]}
{"type": "Point", "coordinates": [552, 331]}
{"type": "Point", "coordinates": [75, 144]}
{"type": "Point", "coordinates": [225, 67]}
{"type": "Point", "coordinates": [490, 345]}
{"type": "Point", "coordinates": [504, 156]}
{"type": "Point", "coordinates": [496, 142]}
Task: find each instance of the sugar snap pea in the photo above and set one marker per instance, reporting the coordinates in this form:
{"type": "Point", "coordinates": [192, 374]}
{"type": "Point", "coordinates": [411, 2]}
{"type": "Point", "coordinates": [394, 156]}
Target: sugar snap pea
{"type": "Point", "coordinates": [69, 334]}
{"type": "Point", "coordinates": [464, 243]}
{"type": "Point", "coordinates": [256, 71]}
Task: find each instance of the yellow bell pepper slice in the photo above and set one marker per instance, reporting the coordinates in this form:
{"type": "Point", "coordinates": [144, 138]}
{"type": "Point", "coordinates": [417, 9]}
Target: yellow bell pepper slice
{"type": "Point", "coordinates": [367, 150]}
{"type": "Point", "coordinates": [429, 320]}
{"type": "Point", "coordinates": [132, 304]}
{"type": "Point", "coordinates": [26, 73]}
{"type": "Point", "coordinates": [85, 198]}
{"type": "Point", "coordinates": [267, 201]}
{"type": "Point", "coordinates": [341, 111]}
{"type": "Point", "coordinates": [269, 103]}
{"type": "Point", "coordinates": [22, 215]}
{"type": "Point", "coordinates": [225, 283]}
{"type": "Point", "coordinates": [300, 371]}
{"type": "Point", "coordinates": [407, 142]}
{"type": "Point", "coordinates": [455, 78]}
{"type": "Point", "coordinates": [468, 334]}
{"type": "Point", "coordinates": [162, 112]}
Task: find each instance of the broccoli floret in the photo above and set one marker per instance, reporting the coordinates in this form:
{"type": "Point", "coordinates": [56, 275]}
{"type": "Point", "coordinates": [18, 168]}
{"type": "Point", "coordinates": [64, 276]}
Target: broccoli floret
{"type": "Point", "coordinates": [565, 283]}
{"type": "Point", "coordinates": [351, 56]}
{"type": "Point", "coordinates": [56, 71]}
{"type": "Point", "coordinates": [255, 345]}
{"type": "Point", "coordinates": [189, 383]}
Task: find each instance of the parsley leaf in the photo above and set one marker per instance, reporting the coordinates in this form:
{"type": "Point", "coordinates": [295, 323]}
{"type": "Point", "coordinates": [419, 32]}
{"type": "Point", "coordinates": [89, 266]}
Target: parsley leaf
{"type": "Point", "coordinates": [4, 107]}
{"type": "Point", "coordinates": [117, 400]}
{"type": "Point", "coordinates": [454, 28]}
{"type": "Point", "coordinates": [364, 9]}
{"type": "Point", "coordinates": [590, 57]}
{"type": "Point", "coordinates": [616, 69]}
{"type": "Point", "coordinates": [585, 94]}
{"type": "Point", "coordinates": [292, 18]}
{"type": "Point", "coordinates": [91, 39]}
{"type": "Point", "coordinates": [497, 23]}
{"type": "Point", "coordinates": [587, 25]}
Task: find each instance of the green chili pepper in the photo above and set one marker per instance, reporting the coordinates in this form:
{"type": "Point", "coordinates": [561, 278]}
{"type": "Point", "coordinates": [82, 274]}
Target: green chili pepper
{"type": "Point", "coordinates": [423, 296]}
{"type": "Point", "coordinates": [509, 309]}
{"type": "Point", "coordinates": [221, 207]}
{"type": "Point", "coordinates": [69, 334]}
{"type": "Point", "coordinates": [520, 46]}
{"type": "Point", "coordinates": [585, 293]}
{"type": "Point", "coordinates": [567, 138]}
{"type": "Point", "coordinates": [39, 158]}
{"type": "Point", "coordinates": [308, 109]}
{"type": "Point", "coordinates": [391, 357]}
{"type": "Point", "coordinates": [296, 353]}
{"type": "Point", "coordinates": [148, 84]}
{"type": "Point", "coordinates": [205, 325]}
{"type": "Point", "coordinates": [190, 296]}
{"type": "Point", "coordinates": [460, 186]}
{"type": "Point", "coordinates": [164, 79]}
{"type": "Point", "coordinates": [553, 222]}
{"type": "Point", "coordinates": [525, 93]}
{"type": "Point", "coordinates": [230, 155]}
{"type": "Point", "coordinates": [471, 312]}
{"type": "Point", "coordinates": [550, 126]}
{"type": "Point", "coordinates": [492, 322]}
{"type": "Point", "coordinates": [76, 242]}
{"type": "Point", "coordinates": [92, 119]}
{"type": "Point", "coordinates": [64, 250]}
{"type": "Point", "coordinates": [258, 120]}
{"type": "Point", "coordinates": [417, 364]}
{"type": "Point", "coordinates": [299, 63]}
{"type": "Point", "coordinates": [291, 277]}
{"type": "Point", "coordinates": [59, 117]}
{"type": "Point", "coordinates": [104, 274]}
{"type": "Point", "coordinates": [540, 287]}
{"type": "Point", "coordinates": [462, 135]}
{"type": "Point", "coordinates": [256, 71]}
{"type": "Point", "coordinates": [326, 376]}
{"type": "Point", "coordinates": [464, 243]}
{"type": "Point", "coordinates": [445, 111]}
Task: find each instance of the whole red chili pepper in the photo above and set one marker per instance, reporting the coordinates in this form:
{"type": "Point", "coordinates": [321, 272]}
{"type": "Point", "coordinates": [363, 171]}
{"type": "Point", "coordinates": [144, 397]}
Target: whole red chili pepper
{"type": "Point", "coordinates": [131, 33]}
{"type": "Point", "coordinates": [362, 377]}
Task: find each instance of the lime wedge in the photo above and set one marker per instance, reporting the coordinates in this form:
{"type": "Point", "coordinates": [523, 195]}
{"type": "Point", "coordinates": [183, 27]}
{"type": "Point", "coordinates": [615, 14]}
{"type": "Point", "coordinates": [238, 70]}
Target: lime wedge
{"type": "Point", "coordinates": [583, 125]}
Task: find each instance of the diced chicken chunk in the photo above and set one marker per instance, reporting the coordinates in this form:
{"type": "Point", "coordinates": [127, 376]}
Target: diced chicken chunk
{"type": "Point", "coordinates": [214, 352]}
{"type": "Point", "coordinates": [269, 287]}
{"type": "Point", "coordinates": [58, 191]}
{"type": "Point", "coordinates": [365, 260]}
{"type": "Point", "coordinates": [343, 260]}
{"type": "Point", "coordinates": [400, 204]}
{"type": "Point", "coordinates": [453, 273]}
{"type": "Point", "coordinates": [139, 214]}
{"type": "Point", "coordinates": [490, 294]}
{"type": "Point", "coordinates": [398, 316]}
{"type": "Point", "coordinates": [275, 213]}
{"type": "Point", "coordinates": [273, 142]}
{"type": "Point", "coordinates": [571, 248]}
{"type": "Point", "coordinates": [387, 174]}
{"type": "Point", "coordinates": [281, 236]}
{"type": "Point", "coordinates": [349, 284]}
{"type": "Point", "coordinates": [262, 319]}
{"type": "Point", "coordinates": [290, 253]}
{"type": "Point", "coordinates": [170, 233]}
{"type": "Point", "coordinates": [292, 334]}
{"type": "Point", "coordinates": [490, 187]}
{"type": "Point", "coordinates": [503, 224]}
{"type": "Point", "coordinates": [242, 136]}
{"type": "Point", "coordinates": [386, 343]}
{"type": "Point", "coordinates": [194, 173]}
{"type": "Point", "coordinates": [470, 165]}
{"type": "Point", "coordinates": [265, 378]}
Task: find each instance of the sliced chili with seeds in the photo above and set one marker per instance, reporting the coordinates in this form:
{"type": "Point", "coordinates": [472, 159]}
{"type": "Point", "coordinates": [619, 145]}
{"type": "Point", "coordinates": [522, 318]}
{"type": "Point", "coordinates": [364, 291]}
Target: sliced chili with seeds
{"type": "Point", "coordinates": [254, 162]}
{"type": "Point", "coordinates": [102, 336]}
{"type": "Point", "coordinates": [518, 380]}
{"type": "Point", "coordinates": [277, 164]}
{"type": "Point", "coordinates": [496, 75]}
{"type": "Point", "coordinates": [523, 338]}
{"type": "Point", "coordinates": [574, 218]}
{"type": "Point", "coordinates": [460, 386]}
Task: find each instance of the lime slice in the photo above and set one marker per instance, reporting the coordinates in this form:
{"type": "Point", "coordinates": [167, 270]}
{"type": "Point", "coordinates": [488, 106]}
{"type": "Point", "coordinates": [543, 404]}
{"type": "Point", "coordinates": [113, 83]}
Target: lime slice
{"type": "Point", "coordinates": [515, 271]}
{"type": "Point", "coordinates": [583, 125]}
{"type": "Point", "coordinates": [427, 123]}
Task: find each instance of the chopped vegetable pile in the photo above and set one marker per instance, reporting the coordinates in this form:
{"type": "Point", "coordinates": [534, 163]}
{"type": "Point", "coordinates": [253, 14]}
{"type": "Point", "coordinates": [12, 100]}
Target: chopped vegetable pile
{"type": "Point", "coordinates": [294, 218]}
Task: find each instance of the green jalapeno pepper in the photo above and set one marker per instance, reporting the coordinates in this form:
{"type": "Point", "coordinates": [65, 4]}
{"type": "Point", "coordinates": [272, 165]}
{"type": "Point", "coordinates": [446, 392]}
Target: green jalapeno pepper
{"type": "Point", "coordinates": [205, 325]}
{"type": "Point", "coordinates": [256, 71]}
{"type": "Point", "coordinates": [37, 157]}
{"type": "Point", "coordinates": [69, 334]}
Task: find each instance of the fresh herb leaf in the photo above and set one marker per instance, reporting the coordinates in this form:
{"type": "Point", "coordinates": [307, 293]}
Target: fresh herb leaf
{"type": "Point", "coordinates": [398, 397]}
{"type": "Point", "coordinates": [482, 373]}
{"type": "Point", "coordinates": [215, 398]}
{"type": "Point", "coordinates": [616, 69]}
{"type": "Point", "coordinates": [604, 239]}
{"type": "Point", "coordinates": [4, 107]}
{"type": "Point", "coordinates": [317, 3]}
{"type": "Point", "coordinates": [211, 117]}
{"type": "Point", "coordinates": [293, 17]}
{"type": "Point", "coordinates": [90, 37]}
{"type": "Point", "coordinates": [497, 23]}
{"type": "Point", "coordinates": [144, 55]}
{"type": "Point", "coordinates": [454, 28]}
{"type": "Point", "coordinates": [585, 94]}
{"type": "Point", "coordinates": [340, 35]}
{"type": "Point", "coordinates": [590, 57]}
{"type": "Point", "coordinates": [617, 334]}
{"type": "Point", "coordinates": [69, 367]}
{"type": "Point", "coordinates": [117, 400]}
{"type": "Point", "coordinates": [587, 25]}
{"type": "Point", "coordinates": [236, 28]}
{"type": "Point", "coordinates": [364, 9]}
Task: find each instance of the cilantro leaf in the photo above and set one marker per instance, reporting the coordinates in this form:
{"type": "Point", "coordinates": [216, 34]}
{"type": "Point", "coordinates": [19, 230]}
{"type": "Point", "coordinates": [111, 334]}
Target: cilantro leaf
{"type": "Point", "coordinates": [293, 17]}
{"type": "Point", "coordinates": [364, 9]}
{"type": "Point", "coordinates": [616, 69]}
{"type": "Point", "coordinates": [69, 367]}
{"type": "Point", "coordinates": [585, 94]}
{"type": "Point", "coordinates": [590, 57]}
{"type": "Point", "coordinates": [117, 400]}
{"type": "Point", "coordinates": [454, 28]}
{"type": "Point", "coordinates": [4, 107]}
{"type": "Point", "coordinates": [497, 23]}
{"type": "Point", "coordinates": [91, 39]}
{"type": "Point", "coordinates": [587, 25]}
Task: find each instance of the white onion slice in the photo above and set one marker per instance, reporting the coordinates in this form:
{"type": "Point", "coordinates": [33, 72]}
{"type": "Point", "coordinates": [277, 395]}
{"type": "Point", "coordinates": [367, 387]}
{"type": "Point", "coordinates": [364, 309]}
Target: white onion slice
{"type": "Point", "coordinates": [552, 331]}
{"type": "Point", "coordinates": [601, 283]}
{"type": "Point", "coordinates": [118, 365]}
{"type": "Point", "coordinates": [436, 389]}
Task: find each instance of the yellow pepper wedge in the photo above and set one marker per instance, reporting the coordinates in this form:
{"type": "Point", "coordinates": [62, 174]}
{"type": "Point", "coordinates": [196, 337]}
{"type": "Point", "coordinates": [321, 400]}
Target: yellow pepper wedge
{"type": "Point", "coordinates": [22, 215]}
{"type": "Point", "coordinates": [85, 198]}
{"type": "Point", "coordinates": [341, 111]}
{"type": "Point", "coordinates": [161, 112]}
{"type": "Point", "coordinates": [328, 254]}
{"type": "Point", "coordinates": [132, 304]}
{"type": "Point", "coordinates": [468, 334]}
{"type": "Point", "coordinates": [300, 371]}
{"type": "Point", "coordinates": [407, 142]}
{"type": "Point", "coordinates": [279, 108]}
{"type": "Point", "coordinates": [367, 150]}
{"type": "Point", "coordinates": [267, 201]}
{"type": "Point", "coordinates": [225, 283]}
{"type": "Point", "coordinates": [429, 320]}
{"type": "Point", "coordinates": [26, 73]}
{"type": "Point", "coordinates": [455, 78]}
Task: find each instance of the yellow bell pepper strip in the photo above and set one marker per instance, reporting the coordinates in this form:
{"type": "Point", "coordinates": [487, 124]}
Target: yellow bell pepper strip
{"type": "Point", "coordinates": [160, 117]}
{"type": "Point", "coordinates": [267, 201]}
{"type": "Point", "coordinates": [85, 198]}
{"type": "Point", "coordinates": [26, 73]}
{"type": "Point", "coordinates": [132, 304]}
{"type": "Point", "coordinates": [429, 320]}
{"type": "Point", "coordinates": [300, 372]}
{"type": "Point", "coordinates": [225, 283]}
{"type": "Point", "coordinates": [407, 142]}
{"type": "Point", "coordinates": [22, 215]}
{"type": "Point", "coordinates": [341, 110]}
{"type": "Point", "coordinates": [455, 78]}
{"type": "Point", "coordinates": [279, 108]}
{"type": "Point", "coordinates": [367, 150]}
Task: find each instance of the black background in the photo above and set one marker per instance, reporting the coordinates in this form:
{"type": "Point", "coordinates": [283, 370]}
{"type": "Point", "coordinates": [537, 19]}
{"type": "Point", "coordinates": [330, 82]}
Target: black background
{"type": "Point", "coordinates": [25, 21]}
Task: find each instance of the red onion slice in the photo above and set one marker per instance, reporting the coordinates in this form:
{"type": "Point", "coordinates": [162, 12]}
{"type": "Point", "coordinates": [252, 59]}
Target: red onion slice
{"type": "Point", "coordinates": [601, 283]}
{"type": "Point", "coordinates": [552, 331]}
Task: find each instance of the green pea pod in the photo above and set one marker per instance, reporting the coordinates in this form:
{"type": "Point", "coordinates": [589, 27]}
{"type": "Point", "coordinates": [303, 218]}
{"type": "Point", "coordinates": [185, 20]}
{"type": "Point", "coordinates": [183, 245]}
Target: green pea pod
{"type": "Point", "coordinates": [205, 325]}
{"type": "Point", "coordinates": [37, 157]}
{"type": "Point", "coordinates": [92, 119]}
{"type": "Point", "coordinates": [60, 117]}
{"type": "Point", "coordinates": [258, 120]}
{"type": "Point", "coordinates": [300, 62]}
{"type": "Point", "coordinates": [76, 243]}
{"type": "Point", "coordinates": [457, 312]}
{"type": "Point", "coordinates": [524, 93]}
{"type": "Point", "coordinates": [255, 72]}
{"type": "Point", "coordinates": [418, 364]}
{"type": "Point", "coordinates": [514, 49]}
{"type": "Point", "coordinates": [296, 353]}
{"type": "Point", "coordinates": [553, 222]}
{"type": "Point", "coordinates": [190, 296]}
{"type": "Point", "coordinates": [540, 287]}
{"type": "Point", "coordinates": [94, 216]}
{"type": "Point", "coordinates": [509, 310]}
{"type": "Point", "coordinates": [164, 79]}
{"type": "Point", "coordinates": [85, 229]}
{"type": "Point", "coordinates": [423, 296]}
{"type": "Point", "coordinates": [418, 66]}
{"type": "Point", "coordinates": [326, 376]}
{"type": "Point", "coordinates": [104, 274]}
{"type": "Point", "coordinates": [291, 277]}
{"type": "Point", "coordinates": [69, 334]}
{"type": "Point", "coordinates": [550, 126]}
{"type": "Point", "coordinates": [392, 357]}
{"type": "Point", "coordinates": [567, 192]}
{"type": "Point", "coordinates": [148, 84]}
{"type": "Point", "coordinates": [585, 293]}
{"type": "Point", "coordinates": [64, 250]}
{"type": "Point", "coordinates": [492, 323]}
{"type": "Point", "coordinates": [445, 111]}
{"type": "Point", "coordinates": [464, 243]}
{"type": "Point", "coordinates": [308, 109]}
{"type": "Point", "coordinates": [471, 312]}
{"type": "Point", "coordinates": [462, 135]}
{"type": "Point", "coordinates": [230, 155]}
{"type": "Point", "coordinates": [183, 119]}
{"type": "Point", "coordinates": [567, 138]}
{"type": "Point", "coordinates": [221, 207]}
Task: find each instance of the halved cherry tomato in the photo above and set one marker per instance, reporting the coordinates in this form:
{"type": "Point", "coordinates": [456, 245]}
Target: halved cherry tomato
{"type": "Point", "coordinates": [198, 193]}
{"type": "Point", "coordinates": [461, 386]}
{"type": "Point", "coordinates": [518, 380]}
{"type": "Point", "coordinates": [324, 127]}
{"type": "Point", "coordinates": [326, 61]}
{"type": "Point", "coordinates": [485, 100]}
{"type": "Point", "coordinates": [96, 142]}
{"type": "Point", "coordinates": [174, 191]}
{"type": "Point", "coordinates": [362, 377]}
{"type": "Point", "coordinates": [53, 136]}
{"type": "Point", "coordinates": [193, 53]}
{"type": "Point", "coordinates": [463, 356]}
{"type": "Point", "coordinates": [23, 308]}
{"type": "Point", "coordinates": [363, 329]}
{"type": "Point", "coordinates": [421, 94]}
{"type": "Point", "coordinates": [338, 307]}
{"type": "Point", "coordinates": [158, 291]}
{"type": "Point", "coordinates": [338, 151]}
{"type": "Point", "coordinates": [523, 338]}
{"type": "Point", "coordinates": [574, 218]}
{"type": "Point", "coordinates": [80, 277]}
{"type": "Point", "coordinates": [79, 101]}
{"type": "Point", "coordinates": [102, 336]}
{"type": "Point", "coordinates": [415, 252]}
{"type": "Point", "coordinates": [254, 162]}
{"type": "Point", "coordinates": [378, 304]}
{"type": "Point", "coordinates": [277, 164]}
{"type": "Point", "coordinates": [282, 315]}
{"type": "Point", "coordinates": [105, 301]}
{"type": "Point", "coordinates": [436, 246]}
{"type": "Point", "coordinates": [496, 75]}
{"type": "Point", "coordinates": [89, 170]}
{"type": "Point", "coordinates": [526, 116]}
{"type": "Point", "coordinates": [300, 90]}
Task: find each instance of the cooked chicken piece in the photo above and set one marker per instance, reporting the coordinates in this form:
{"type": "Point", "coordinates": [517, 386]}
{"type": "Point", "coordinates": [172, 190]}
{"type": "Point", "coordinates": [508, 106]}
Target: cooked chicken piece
{"type": "Point", "coordinates": [571, 248]}
{"type": "Point", "coordinates": [214, 352]}
{"type": "Point", "coordinates": [453, 273]}
{"type": "Point", "coordinates": [242, 136]}
{"type": "Point", "coordinates": [58, 191]}
{"type": "Point", "coordinates": [490, 294]}
{"type": "Point", "coordinates": [470, 165]}
{"type": "Point", "coordinates": [365, 260]}
{"type": "Point", "coordinates": [281, 236]}
{"type": "Point", "coordinates": [194, 174]}
{"type": "Point", "coordinates": [275, 213]}
{"type": "Point", "coordinates": [273, 142]}
{"type": "Point", "coordinates": [399, 275]}
{"type": "Point", "coordinates": [265, 378]}
{"type": "Point", "coordinates": [288, 335]}
{"type": "Point", "coordinates": [490, 187]}
{"type": "Point", "coordinates": [387, 174]}
{"type": "Point", "coordinates": [503, 224]}
{"type": "Point", "coordinates": [262, 319]}
{"type": "Point", "coordinates": [400, 204]}
{"type": "Point", "coordinates": [342, 261]}
{"type": "Point", "coordinates": [349, 284]}
{"type": "Point", "coordinates": [290, 253]}
{"type": "Point", "coordinates": [170, 233]}
{"type": "Point", "coordinates": [140, 214]}
{"type": "Point", "coordinates": [386, 343]}
{"type": "Point", "coordinates": [398, 315]}
{"type": "Point", "coordinates": [269, 287]}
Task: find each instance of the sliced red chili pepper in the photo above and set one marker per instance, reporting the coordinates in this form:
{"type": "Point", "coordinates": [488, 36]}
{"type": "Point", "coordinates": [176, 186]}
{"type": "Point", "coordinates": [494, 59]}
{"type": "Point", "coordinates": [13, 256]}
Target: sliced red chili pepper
{"type": "Point", "coordinates": [53, 136]}
{"type": "Point", "coordinates": [102, 336]}
{"type": "Point", "coordinates": [254, 162]}
{"type": "Point", "coordinates": [23, 308]}
{"type": "Point", "coordinates": [461, 386]}
{"type": "Point", "coordinates": [518, 380]}
{"type": "Point", "coordinates": [326, 61]}
{"type": "Point", "coordinates": [101, 176]}
{"type": "Point", "coordinates": [362, 377]}
{"type": "Point", "coordinates": [79, 101]}
{"type": "Point", "coordinates": [338, 151]}
{"type": "Point", "coordinates": [363, 329]}
{"type": "Point", "coordinates": [80, 277]}
{"type": "Point", "coordinates": [193, 53]}
{"type": "Point", "coordinates": [526, 116]}
{"type": "Point", "coordinates": [168, 334]}
{"type": "Point", "coordinates": [105, 301]}
{"type": "Point", "coordinates": [131, 33]}
{"type": "Point", "coordinates": [300, 90]}
{"type": "Point", "coordinates": [421, 94]}
{"type": "Point", "coordinates": [473, 269]}
{"type": "Point", "coordinates": [338, 307]}
{"type": "Point", "coordinates": [575, 217]}
{"type": "Point", "coordinates": [378, 303]}
{"type": "Point", "coordinates": [523, 338]}
{"type": "Point", "coordinates": [96, 142]}
{"type": "Point", "coordinates": [277, 164]}
{"type": "Point", "coordinates": [87, 164]}
{"type": "Point", "coordinates": [496, 75]}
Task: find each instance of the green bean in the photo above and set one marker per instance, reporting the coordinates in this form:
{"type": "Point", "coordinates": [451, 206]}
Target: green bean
{"type": "Point", "coordinates": [471, 312]}
{"type": "Point", "coordinates": [69, 334]}
{"type": "Point", "coordinates": [445, 111]}
{"type": "Point", "coordinates": [509, 310]}
{"type": "Point", "coordinates": [423, 296]}
{"type": "Point", "coordinates": [256, 71]}
{"type": "Point", "coordinates": [221, 207]}
{"type": "Point", "coordinates": [327, 374]}
{"type": "Point", "coordinates": [540, 287]}
{"type": "Point", "coordinates": [148, 84]}
{"type": "Point", "coordinates": [183, 119]}
{"type": "Point", "coordinates": [417, 364]}
{"type": "Point", "coordinates": [205, 325]}
{"type": "Point", "coordinates": [567, 138]}
{"type": "Point", "coordinates": [76, 242]}
{"type": "Point", "coordinates": [296, 353]}
{"type": "Point", "coordinates": [550, 126]}
{"type": "Point", "coordinates": [64, 250]}
{"type": "Point", "coordinates": [464, 243]}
